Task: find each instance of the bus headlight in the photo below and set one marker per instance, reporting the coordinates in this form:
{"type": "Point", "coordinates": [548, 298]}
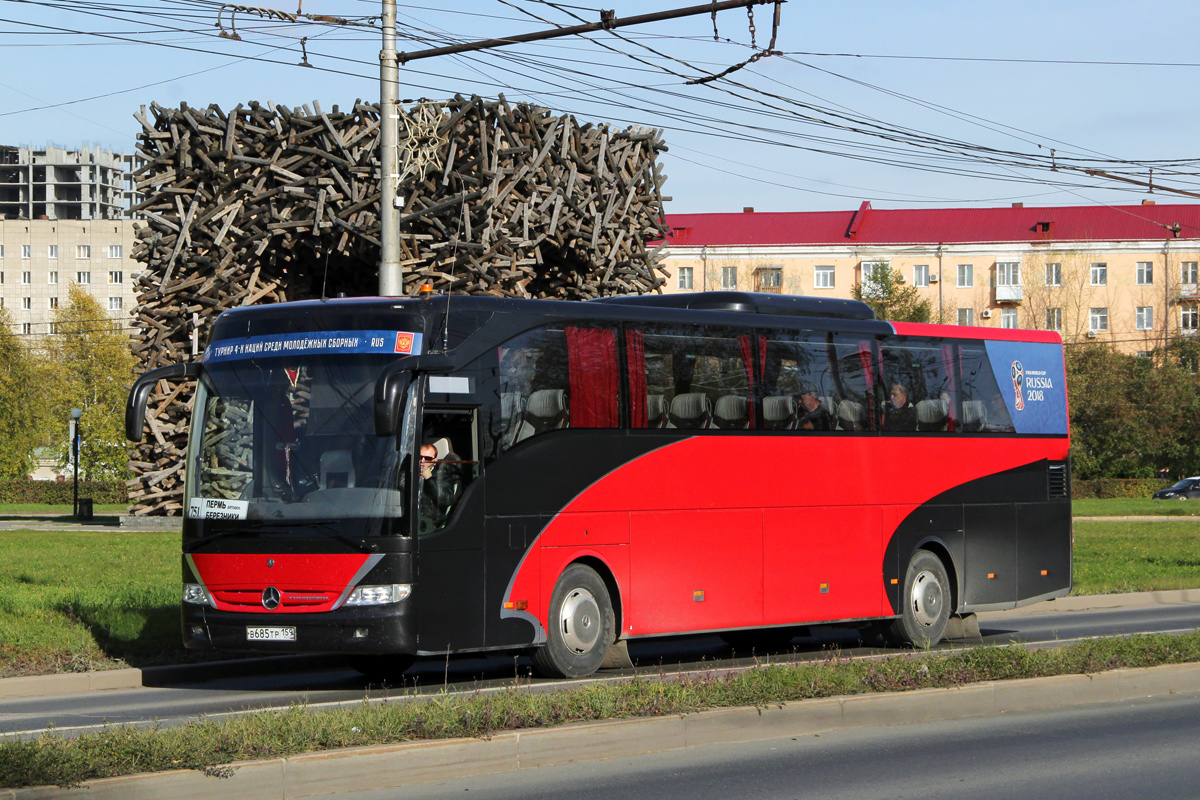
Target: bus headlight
{"type": "Point", "coordinates": [379, 595]}
{"type": "Point", "coordinates": [195, 593]}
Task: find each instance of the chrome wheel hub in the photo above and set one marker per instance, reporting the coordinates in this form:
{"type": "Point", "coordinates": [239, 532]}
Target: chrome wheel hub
{"type": "Point", "coordinates": [579, 621]}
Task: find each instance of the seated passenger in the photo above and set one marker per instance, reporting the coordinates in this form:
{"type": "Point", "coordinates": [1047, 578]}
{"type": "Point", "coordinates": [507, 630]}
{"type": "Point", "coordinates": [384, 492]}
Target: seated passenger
{"type": "Point", "coordinates": [813, 414]}
{"type": "Point", "coordinates": [901, 414]}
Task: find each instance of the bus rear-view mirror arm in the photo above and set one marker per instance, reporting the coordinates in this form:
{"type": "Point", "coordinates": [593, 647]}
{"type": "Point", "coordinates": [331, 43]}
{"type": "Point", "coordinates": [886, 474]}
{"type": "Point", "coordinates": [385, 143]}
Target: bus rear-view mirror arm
{"type": "Point", "coordinates": [135, 406]}
{"type": "Point", "coordinates": [389, 389]}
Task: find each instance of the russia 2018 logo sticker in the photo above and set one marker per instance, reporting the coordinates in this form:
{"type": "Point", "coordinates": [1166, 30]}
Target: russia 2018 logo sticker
{"type": "Point", "coordinates": [1018, 378]}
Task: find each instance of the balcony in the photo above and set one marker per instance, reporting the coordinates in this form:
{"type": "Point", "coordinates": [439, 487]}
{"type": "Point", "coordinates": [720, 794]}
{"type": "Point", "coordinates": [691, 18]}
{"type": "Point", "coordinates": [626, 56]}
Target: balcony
{"type": "Point", "coordinates": [1009, 294]}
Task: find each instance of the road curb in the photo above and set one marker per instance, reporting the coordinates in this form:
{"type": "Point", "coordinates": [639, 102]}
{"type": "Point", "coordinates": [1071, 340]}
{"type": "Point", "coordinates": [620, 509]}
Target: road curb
{"type": "Point", "coordinates": [81, 682]}
{"type": "Point", "coordinates": [399, 765]}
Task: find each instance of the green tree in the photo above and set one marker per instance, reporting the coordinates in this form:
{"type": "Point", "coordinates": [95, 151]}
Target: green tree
{"type": "Point", "coordinates": [883, 289]}
{"type": "Point", "coordinates": [18, 409]}
{"type": "Point", "coordinates": [91, 364]}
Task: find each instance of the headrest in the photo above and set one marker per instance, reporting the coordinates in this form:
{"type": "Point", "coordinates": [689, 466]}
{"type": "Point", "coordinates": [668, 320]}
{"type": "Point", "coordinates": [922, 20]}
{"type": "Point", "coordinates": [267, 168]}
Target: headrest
{"type": "Point", "coordinates": [690, 410]}
{"type": "Point", "coordinates": [656, 406]}
{"type": "Point", "coordinates": [779, 412]}
{"type": "Point", "coordinates": [546, 403]}
{"type": "Point", "coordinates": [973, 412]}
{"type": "Point", "coordinates": [852, 414]}
{"type": "Point", "coordinates": [336, 470]}
{"type": "Point", "coordinates": [930, 411]}
{"type": "Point", "coordinates": [442, 446]}
{"type": "Point", "coordinates": [730, 412]}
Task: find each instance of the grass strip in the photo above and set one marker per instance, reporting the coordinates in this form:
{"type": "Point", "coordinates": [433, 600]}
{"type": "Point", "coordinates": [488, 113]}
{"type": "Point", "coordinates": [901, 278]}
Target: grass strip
{"type": "Point", "coordinates": [1134, 507]}
{"type": "Point", "coordinates": [206, 745]}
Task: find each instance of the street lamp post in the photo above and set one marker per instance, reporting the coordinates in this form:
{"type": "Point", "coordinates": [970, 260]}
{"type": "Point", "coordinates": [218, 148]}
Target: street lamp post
{"type": "Point", "coordinates": [76, 413]}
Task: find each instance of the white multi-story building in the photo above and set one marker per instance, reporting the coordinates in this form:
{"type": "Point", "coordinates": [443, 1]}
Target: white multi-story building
{"type": "Point", "coordinates": [41, 258]}
{"type": "Point", "coordinates": [64, 220]}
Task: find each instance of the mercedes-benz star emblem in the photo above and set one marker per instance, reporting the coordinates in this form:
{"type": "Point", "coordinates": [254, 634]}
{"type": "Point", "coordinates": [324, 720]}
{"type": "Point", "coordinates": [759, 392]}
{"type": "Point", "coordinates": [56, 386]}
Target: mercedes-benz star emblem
{"type": "Point", "coordinates": [270, 598]}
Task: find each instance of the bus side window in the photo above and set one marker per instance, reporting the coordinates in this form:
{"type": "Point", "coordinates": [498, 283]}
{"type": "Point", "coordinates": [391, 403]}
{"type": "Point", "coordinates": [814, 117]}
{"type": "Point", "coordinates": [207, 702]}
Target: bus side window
{"type": "Point", "coordinates": [689, 378]}
{"type": "Point", "coordinates": [852, 366]}
{"type": "Point", "coordinates": [984, 405]}
{"type": "Point", "coordinates": [799, 392]}
{"type": "Point", "coordinates": [553, 378]}
{"type": "Point", "coordinates": [919, 372]}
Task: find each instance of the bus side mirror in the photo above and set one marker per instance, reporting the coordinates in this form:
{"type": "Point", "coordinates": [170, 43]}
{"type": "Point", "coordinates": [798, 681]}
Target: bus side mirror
{"type": "Point", "coordinates": [390, 388]}
{"type": "Point", "coordinates": [135, 406]}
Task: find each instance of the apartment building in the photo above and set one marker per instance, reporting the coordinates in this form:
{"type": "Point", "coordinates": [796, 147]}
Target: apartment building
{"type": "Point", "coordinates": [41, 258]}
{"type": "Point", "coordinates": [1123, 274]}
{"type": "Point", "coordinates": [64, 184]}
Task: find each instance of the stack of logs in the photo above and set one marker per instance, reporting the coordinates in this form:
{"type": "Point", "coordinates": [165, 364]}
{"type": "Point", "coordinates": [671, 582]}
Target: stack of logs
{"type": "Point", "coordinates": [269, 203]}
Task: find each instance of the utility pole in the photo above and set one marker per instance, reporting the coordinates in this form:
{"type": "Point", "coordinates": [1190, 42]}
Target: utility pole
{"type": "Point", "coordinates": [391, 282]}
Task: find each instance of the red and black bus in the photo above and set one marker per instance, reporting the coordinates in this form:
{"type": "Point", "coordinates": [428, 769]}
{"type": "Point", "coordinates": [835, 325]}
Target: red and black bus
{"type": "Point", "coordinates": [393, 478]}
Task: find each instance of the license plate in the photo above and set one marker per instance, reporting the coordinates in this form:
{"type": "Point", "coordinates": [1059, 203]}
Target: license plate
{"type": "Point", "coordinates": [275, 634]}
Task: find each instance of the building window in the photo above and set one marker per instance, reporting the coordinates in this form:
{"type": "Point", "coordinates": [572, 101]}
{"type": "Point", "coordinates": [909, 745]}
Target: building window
{"type": "Point", "coordinates": [1097, 319]}
{"type": "Point", "coordinates": [768, 279]}
{"type": "Point", "coordinates": [921, 275]}
{"type": "Point", "coordinates": [116, 276]}
{"type": "Point", "coordinates": [1145, 318]}
{"type": "Point", "coordinates": [1008, 273]}
{"type": "Point", "coordinates": [1189, 272]}
{"type": "Point", "coordinates": [52, 278]}
{"type": "Point", "coordinates": [53, 303]}
{"type": "Point", "coordinates": [966, 278]}
{"type": "Point", "coordinates": [83, 278]}
{"type": "Point", "coordinates": [685, 277]}
{"type": "Point", "coordinates": [1008, 318]}
{"type": "Point", "coordinates": [115, 304]}
{"type": "Point", "coordinates": [114, 251]}
{"type": "Point", "coordinates": [1054, 319]}
{"type": "Point", "coordinates": [24, 251]}
{"type": "Point", "coordinates": [1145, 273]}
{"type": "Point", "coordinates": [1099, 274]}
{"type": "Point", "coordinates": [83, 251]}
{"type": "Point", "coordinates": [728, 277]}
{"type": "Point", "coordinates": [27, 328]}
{"type": "Point", "coordinates": [823, 278]}
{"type": "Point", "coordinates": [26, 278]}
{"type": "Point", "coordinates": [966, 316]}
{"type": "Point", "coordinates": [1, 251]}
{"type": "Point", "coordinates": [52, 251]}
{"type": "Point", "coordinates": [1189, 319]}
{"type": "Point", "coordinates": [27, 303]}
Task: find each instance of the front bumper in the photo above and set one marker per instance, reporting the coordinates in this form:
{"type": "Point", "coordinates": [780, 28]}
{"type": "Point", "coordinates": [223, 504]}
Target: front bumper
{"type": "Point", "coordinates": [369, 629]}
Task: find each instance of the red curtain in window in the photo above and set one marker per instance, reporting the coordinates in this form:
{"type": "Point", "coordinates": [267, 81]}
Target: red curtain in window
{"type": "Point", "coordinates": [635, 357]}
{"type": "Point", "coordinates": [747, 348]}
{"type": "Point", "coordinates": [952, 376]}
{"type": "Point", "coordinates": [864, 355]}
{"type": "Point", "coordinates": [595, 381]}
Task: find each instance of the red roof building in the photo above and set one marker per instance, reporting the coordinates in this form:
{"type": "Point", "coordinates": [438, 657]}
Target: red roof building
{"type": "Point", "coordinates": [1125, 274]}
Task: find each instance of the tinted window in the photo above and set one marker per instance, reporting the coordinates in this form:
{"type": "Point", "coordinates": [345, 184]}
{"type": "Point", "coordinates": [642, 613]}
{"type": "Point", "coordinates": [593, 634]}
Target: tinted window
{"type": "Point", "coordinates": [983, 406]}
{"type": "Point", "coordinates": [693, 378]}
{"type": "Point", "coordinates": [918, 372]}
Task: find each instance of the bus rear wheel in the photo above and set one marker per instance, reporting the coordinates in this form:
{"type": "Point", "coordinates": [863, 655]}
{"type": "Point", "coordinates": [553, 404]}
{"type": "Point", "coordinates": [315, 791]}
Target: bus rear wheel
{"type": "Point", "coordinates": [581, 627]}
{"type": "Point", "coordinates": [925, 602]}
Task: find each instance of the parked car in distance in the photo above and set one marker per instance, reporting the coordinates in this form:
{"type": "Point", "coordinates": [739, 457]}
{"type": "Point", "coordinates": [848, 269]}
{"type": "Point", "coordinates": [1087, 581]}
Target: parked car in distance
{"type": "Point", "coordinates": [1184, 490]}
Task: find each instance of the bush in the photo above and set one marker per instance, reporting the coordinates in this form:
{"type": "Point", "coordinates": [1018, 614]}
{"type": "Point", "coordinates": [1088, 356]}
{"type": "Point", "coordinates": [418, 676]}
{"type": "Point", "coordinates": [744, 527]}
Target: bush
{"type": "Point", "coordinates": [1105, 488]}
{"type": "Point", "coordinates": [61, 493]}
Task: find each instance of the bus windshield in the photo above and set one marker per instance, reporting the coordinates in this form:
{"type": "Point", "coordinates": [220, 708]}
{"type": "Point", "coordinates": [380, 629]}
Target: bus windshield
{"type": "Point", "coordinates": [280, 442]}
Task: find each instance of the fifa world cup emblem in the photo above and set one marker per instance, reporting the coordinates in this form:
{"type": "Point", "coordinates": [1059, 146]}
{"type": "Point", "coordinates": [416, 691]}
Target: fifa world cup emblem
{"type": "Point", "coordinates": [1018, 376]}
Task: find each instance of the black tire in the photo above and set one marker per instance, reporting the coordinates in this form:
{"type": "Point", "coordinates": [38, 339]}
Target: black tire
{"type": "Point", "coordinates": [382, 668]}
{"type": "Point", "coordinates": [924, 603]}
{"type": "Point", "coordinates": [581, 628]}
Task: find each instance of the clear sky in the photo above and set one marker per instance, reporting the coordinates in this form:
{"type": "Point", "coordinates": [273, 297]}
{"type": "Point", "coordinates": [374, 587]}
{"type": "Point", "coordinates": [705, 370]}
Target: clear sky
{"type": "Point", "coordinates": [904, 104]}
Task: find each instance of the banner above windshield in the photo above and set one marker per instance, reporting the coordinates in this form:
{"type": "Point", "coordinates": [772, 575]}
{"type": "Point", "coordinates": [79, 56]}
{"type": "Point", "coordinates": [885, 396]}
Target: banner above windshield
{"type": "Point", "coordinates": [318, 343]}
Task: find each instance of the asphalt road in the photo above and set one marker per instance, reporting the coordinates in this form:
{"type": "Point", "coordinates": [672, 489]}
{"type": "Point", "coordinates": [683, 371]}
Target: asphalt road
{"type": "Point", "coordinates": [170, 705]}
{"type": "Point", "coordinates": [1144, 748]}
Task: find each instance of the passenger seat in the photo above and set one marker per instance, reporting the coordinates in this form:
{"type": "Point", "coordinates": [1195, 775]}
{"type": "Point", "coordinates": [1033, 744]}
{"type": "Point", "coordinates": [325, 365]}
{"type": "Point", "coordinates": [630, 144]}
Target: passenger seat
{"type": "Point", "coordinates": [852, 416]}
{"type": "Point", "coordinates": [731, 413]}
{"type": "Point", "coordinates": [779, 413]}
{"type": "Point", "coordinates": [690, 410]}
{"type": "Point", "coordinates": [545, 411]}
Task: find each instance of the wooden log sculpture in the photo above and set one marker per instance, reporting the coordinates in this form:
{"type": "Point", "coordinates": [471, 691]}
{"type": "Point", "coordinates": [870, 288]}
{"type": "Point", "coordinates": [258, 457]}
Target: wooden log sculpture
{"type": "Point", "coordinates": [268, 203]}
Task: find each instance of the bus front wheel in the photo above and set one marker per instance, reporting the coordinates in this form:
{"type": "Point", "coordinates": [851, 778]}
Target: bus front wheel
{"type": "Point", "coordinates": [581, 627]}
{"type": "Point", "coordinates": [925, 602]}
